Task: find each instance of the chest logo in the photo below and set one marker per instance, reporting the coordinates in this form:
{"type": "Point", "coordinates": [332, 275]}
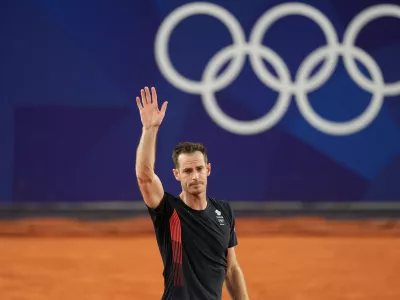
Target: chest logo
{"type": "Point", "coordinates": [220, 218]}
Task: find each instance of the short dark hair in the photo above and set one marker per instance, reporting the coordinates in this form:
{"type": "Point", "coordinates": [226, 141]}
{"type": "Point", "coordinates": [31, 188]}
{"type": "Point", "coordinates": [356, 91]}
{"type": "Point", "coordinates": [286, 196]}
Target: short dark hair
{"type": "Point", "coordinates": [188, 147]}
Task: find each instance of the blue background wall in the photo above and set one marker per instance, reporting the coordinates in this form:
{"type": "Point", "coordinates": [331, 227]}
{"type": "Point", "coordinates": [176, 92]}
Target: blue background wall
{"type": "Point", "coordinates": [69, 125]}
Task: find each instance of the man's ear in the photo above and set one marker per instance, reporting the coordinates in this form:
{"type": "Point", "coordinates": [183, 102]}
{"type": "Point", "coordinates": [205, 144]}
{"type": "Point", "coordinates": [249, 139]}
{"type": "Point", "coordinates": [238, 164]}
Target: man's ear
{"type": "Point", "coordinates": [208, 169]}
{"type": "Point", "coordinates": [176, 174]}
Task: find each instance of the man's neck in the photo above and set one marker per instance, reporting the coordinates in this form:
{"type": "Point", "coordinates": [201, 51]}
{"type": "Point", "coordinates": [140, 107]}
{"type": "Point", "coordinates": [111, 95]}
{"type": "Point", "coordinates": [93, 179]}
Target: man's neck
{"type": "Point", "coordinates": [197, 202]}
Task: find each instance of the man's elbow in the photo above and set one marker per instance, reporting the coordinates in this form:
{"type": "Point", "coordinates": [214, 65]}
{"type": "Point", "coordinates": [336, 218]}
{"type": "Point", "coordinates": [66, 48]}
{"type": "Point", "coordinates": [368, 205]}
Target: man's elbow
{"type": "Point", "coordinates": [144, 175]}
{"type": "Point", "coordinates": [230, 271]}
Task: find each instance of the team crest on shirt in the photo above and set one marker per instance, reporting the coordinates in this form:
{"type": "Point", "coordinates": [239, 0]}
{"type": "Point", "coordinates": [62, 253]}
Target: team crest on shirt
{"type": "Point", "coordinates": [219, 217]}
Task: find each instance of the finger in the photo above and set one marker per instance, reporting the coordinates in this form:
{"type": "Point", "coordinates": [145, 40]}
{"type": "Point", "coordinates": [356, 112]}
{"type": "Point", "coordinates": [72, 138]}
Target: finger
{"type": "Point", "coordinates": [139, 104]}
{"type": "Point", "coordinates": [164, 107]}
{"type": "Point", "coordinates": [148, 97]}
{"type": "Point", "coordinates": [144, 101]}
{"type": "Point", "coordinates": [154, 96]}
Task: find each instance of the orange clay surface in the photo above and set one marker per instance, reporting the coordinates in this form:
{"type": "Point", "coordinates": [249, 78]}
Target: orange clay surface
{"type": "Point", "coordinates": [275, 267]}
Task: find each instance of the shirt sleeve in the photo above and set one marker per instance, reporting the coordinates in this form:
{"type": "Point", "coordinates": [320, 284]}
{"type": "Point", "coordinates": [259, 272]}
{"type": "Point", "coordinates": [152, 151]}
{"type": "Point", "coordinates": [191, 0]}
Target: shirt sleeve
{"type": "Point", "coordinates": [233, 241]}
{"type": "Point", "coordinates": [159, 213]}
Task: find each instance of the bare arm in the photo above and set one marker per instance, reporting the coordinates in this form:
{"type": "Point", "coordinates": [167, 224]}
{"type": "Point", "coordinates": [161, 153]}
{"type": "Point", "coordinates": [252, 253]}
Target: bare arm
{"type": "Point", "coordinates": [234, 280]}
{"type": "Point", "coordinates": [151, 117]}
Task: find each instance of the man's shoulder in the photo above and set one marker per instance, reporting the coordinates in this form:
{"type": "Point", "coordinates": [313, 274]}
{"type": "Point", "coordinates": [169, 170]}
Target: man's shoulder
{"type": "Point", "coordinates": [169, 198]}
{"type": "Point", "coordinates": [225, 205]}
{"type": "Point", "coordinates": [164, 204]}
{"type": "Point", "coordinates": [170, 195]}
{"type": "Point", "coordinates": [221, 202]}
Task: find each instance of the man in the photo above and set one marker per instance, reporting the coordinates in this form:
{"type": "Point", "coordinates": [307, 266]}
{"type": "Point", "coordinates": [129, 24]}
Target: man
{"type": "Point", "coordinates": [195, 233]}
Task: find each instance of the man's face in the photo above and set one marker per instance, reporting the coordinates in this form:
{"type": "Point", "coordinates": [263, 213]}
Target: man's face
{"type": "Point", "coordinates": [192, 172]}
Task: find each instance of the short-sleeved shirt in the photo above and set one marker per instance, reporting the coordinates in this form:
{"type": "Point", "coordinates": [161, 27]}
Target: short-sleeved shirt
{"type": "Point", "coordinates": [193, 245]}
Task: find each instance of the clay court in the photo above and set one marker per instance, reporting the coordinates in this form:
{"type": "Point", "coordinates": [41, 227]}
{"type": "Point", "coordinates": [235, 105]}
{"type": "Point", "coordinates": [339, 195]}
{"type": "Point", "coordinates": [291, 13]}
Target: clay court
{"type": "Point", "coordinates": [292, 259]}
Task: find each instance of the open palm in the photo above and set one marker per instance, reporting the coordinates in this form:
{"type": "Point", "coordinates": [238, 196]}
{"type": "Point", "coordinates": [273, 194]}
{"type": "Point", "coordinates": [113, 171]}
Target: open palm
{"type": "Point", "coordinates": [150, 115]}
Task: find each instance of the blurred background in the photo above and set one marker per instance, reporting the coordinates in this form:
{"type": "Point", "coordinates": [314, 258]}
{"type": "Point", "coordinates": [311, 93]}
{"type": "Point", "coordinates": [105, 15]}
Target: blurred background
{"type": "Point", "coordinates": [297, 104]}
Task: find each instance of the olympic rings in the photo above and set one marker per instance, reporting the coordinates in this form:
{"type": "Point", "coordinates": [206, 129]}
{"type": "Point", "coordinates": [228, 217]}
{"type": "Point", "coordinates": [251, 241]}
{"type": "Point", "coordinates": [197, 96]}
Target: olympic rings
{"type": "Point", "coordinates": [283, 83]}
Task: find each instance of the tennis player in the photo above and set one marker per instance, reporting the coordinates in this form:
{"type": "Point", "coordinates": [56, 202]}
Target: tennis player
{"type": "Point", "coordinates": [195, 233]}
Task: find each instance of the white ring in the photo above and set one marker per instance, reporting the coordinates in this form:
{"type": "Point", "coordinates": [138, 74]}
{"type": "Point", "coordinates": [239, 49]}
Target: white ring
{"type": "Point", "coordinates": [350, 36]}
{"type": "Point", "coordinates": [288, 9]}
{"type": "Point", "coordinates": [163, 37]}
{"type": "Point", "coordinates": [245, 127]}
{"type": "Point", "coordinates": [351, 126]}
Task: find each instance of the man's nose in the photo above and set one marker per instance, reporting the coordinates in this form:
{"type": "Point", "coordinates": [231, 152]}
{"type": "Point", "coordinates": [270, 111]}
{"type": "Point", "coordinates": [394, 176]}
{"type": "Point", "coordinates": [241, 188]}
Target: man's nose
{"type": "Point", "coordinates": [195, 176]}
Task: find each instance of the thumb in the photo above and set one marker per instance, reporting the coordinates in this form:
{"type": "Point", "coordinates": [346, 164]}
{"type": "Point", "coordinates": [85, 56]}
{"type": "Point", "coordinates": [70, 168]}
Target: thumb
{"type": "Point", "coordinates": [164, 106]}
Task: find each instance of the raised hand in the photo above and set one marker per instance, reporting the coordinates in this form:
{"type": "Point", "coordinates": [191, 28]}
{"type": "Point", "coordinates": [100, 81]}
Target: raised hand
{"type": "Point", "coordinates": [150, 115]}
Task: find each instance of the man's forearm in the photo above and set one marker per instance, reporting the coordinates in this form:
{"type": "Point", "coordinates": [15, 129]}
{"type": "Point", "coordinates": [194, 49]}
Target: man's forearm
{"type": "Point", "coordinates": [146, 151]}
{"type": "Point", "coordinates": [236, 284]}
